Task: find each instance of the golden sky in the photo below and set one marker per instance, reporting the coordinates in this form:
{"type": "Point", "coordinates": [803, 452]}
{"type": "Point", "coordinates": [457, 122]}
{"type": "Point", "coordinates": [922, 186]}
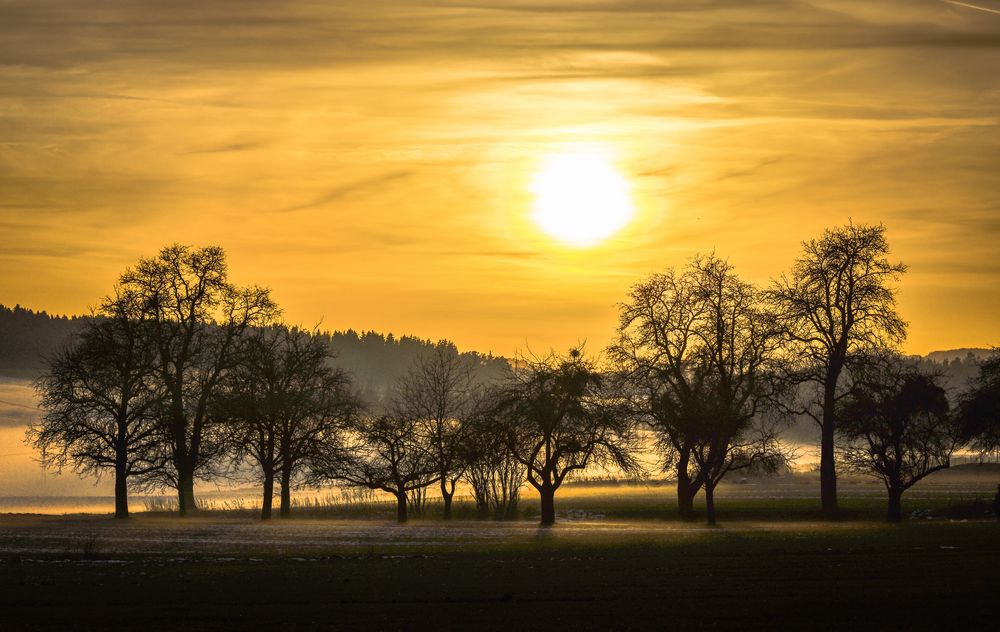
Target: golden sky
{"type": "Point", "coordinates": [372, 161]}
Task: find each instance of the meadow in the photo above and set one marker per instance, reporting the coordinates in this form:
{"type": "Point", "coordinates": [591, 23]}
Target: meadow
{"type": "Point", "coordinates": [616, 559]}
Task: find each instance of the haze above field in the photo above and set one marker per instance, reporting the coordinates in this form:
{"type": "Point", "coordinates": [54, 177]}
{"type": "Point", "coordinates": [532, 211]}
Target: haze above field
{"type": "Point", "coordinates": [373, 163]}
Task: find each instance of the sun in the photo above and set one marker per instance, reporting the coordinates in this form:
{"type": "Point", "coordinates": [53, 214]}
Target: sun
{"type": "Point", "coordinates": [580, 198]}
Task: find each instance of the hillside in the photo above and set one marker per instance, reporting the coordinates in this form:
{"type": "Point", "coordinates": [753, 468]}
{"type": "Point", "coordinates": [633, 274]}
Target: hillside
{"type": "Point", "coordinates": [374, 360]}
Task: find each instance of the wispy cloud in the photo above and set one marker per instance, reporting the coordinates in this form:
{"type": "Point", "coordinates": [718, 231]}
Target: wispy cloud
{"type": "Point", "coordinates": [309, 137]}
{"type": "Point", "coordinates": [351, 188]}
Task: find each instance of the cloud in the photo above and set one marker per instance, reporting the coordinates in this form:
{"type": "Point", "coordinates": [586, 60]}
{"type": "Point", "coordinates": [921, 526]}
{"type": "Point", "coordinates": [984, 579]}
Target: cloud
{"type": "Point", "coordinates": [391, 142]}
{"type": "Point", "coordinates": [351, 188]}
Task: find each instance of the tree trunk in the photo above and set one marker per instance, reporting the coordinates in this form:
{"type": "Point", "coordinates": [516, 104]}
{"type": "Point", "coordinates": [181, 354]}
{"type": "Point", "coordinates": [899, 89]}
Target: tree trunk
{"type": "Point", "coordinates": [710, 503]}
{"type": "Point", "coordinates": [895, 513]}
{"type": "Point", "coordinates": [828, 473]}
{"type": "Point", "coordinates": [401, 506]}
{"type": "Point", "coordinates": [185, 492]}
{"type": "Point", "coordinates": [446, 497]}
{"type": "Point", "coordinates": [286, 492]}
{"type": "Point", "coordinates": [548, 497]}
{"type": "Point", "coordinates": [827, 463]}
{"type": "Point", "coordinates": [685, 493]}
{"type": "Point", "coordinates": [121, 492]}
{"type": "Point", "coordinates": [267, 501]}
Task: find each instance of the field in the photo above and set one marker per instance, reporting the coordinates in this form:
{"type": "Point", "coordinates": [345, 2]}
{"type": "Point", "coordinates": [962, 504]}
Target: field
{"type": "Point", "coordinates": [616, 560]}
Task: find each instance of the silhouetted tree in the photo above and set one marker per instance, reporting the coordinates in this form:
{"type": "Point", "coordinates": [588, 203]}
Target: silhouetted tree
{"type": "Point", "coordinates": [753, 444]}
{"type": "Point", "coordinates": [895, 425]}
{"type": "Point", "coordinates": [560, 416]}
{"type": "Point", "coordinates": [837, 302]}
{"type": "Point", "coordinates": [653, 351]}
{"type": "Point", "coordinates": [979, 408]}
{"type": "Point", "coordinates": [737, 362]}
{"type": "Point", "coordinates": [381, 452]}
{"type": "Point", "coordinates": [437, 394]}
{"type": "Point", "coordinates": [198, 318]}
{"type": "Point", "coordinates": [698, 351]}
{"type": "Point", "coordinates": [493, 472]}
{"type": "Point", "coordinates": [285, 404]}
{"type": "Point", "coordinates": [100, 398]}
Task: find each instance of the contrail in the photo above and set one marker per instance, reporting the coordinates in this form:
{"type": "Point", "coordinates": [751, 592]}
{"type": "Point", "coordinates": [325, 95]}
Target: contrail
{"type": "Point", "coordinates": [972, 6]}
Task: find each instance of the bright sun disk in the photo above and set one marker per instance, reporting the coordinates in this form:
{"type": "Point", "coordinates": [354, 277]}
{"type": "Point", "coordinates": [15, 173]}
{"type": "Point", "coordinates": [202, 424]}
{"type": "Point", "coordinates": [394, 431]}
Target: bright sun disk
{"type": "Point", "coordinates": [580, 198]}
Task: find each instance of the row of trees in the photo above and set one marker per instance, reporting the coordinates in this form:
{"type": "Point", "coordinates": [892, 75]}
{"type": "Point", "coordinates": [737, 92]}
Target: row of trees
{"type": "Point", "coordinates": [185, 377]}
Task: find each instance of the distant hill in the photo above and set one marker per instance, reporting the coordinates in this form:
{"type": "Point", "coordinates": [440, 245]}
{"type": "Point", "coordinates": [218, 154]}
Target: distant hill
{"type": "Point", "coordinates": [949, 355]}
{"type": "Point", "coordinates": [374, 360]}
{"type": "Point", "coordinates": [27, 337]}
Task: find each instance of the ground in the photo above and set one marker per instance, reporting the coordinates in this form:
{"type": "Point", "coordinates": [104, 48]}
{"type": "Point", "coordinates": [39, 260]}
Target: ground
{"type": "Point", "coordinates": [224, 573]}
{"type": "Point", "coordinates": [617, 559]}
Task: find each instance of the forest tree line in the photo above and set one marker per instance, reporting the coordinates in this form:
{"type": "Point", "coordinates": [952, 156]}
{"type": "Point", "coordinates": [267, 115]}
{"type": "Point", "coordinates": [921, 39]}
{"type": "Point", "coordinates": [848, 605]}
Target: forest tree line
{"type": "Point", "coordinates": [183, 376]}
{"type": "Point", "coordinates": [28, 338]}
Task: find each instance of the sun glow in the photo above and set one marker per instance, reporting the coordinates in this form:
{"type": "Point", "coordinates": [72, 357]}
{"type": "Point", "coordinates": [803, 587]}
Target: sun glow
{"type": "Point", "coordinates": [580, 198]}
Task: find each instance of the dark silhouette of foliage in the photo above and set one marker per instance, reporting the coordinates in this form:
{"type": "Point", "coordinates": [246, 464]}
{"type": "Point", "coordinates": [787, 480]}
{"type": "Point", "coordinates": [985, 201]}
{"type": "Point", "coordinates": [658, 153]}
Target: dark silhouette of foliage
{"type": "Point", "coordinates": [376, 362]}
{"type": "Point", "coordinates": [837, 302]}
{"type": "Point", "coordinates": [560, 416]}
{"type": "Point", "coordinates": [198, 318]}
{"type": "Point", "coordinates": [979, 408]}
{"type": "Point", "coordinates": [100, 396]}
{"type": "Point", "coordinates": [895, 425]}
{"type": "Point", "coordinates": [28, 338]}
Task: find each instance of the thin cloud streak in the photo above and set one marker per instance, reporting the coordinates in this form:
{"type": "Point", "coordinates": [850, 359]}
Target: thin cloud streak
{"type": "Point", "coordinates": [973, 6]}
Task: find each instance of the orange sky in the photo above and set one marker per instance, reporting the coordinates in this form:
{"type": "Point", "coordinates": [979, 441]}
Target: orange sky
{"type": "Point", "coordinates": [372, 161]}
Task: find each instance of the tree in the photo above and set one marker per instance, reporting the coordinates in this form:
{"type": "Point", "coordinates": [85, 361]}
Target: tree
{"type": "Point", "coordinates": [318, 405]}
{"type": "Point", "coordinates": [895, 425]}
{"type": "Point", "coordinates": [653, 350]}
{"type": "Point", "coordinates": [736, 361]}
{"type": "Point", "coordinates": [560, 416]}
{"type": "Point", "coordinates": [437, 394]}
{"type": "Point", "coordinates": [698, 352]}
{"type": "Point", "coordinates": [100, 399]}
{"type": "Point", "coordinates": [381, 452]}
{"type": "Point", "coordinates": [492, 471]}
{"type": "Point", "coordinates": [198, 318]}
{"type": "Point", "coordinates": [979, 408]}
{"type": "Point", "coordinates": [285, 405]}
{"type": "Point", "coordinates": [837, 302]}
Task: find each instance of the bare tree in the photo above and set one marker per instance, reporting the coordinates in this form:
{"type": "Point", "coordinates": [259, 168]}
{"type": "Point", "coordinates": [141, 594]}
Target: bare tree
{"type": "Point", "coordinates": [198, 317]}
{"type": "Point", "coordinates": [100, 399]}
{"type": "Point", "coordinates": [895, 425]}
{"type": "Point", "coordinates": [698, 351]}
{"type": "Point", "coordinates": [381, 452]}
{"type": "Point", "coordinates": [738, 353]}
{"type": "Point", "coordinates": [493, 472]}
{"type": "Point", "coordinates": [654, 353]}
{"type": "Point", "coordinates": [560, 417]}
{"type": "Point", "coordinates": [437, 393]}
{"type": "Point", "coordinates": [838, 301]}
{"type": "Point", "coordinates": [285, 405]}
{"type": "Point", "coordinates": [319, 404]}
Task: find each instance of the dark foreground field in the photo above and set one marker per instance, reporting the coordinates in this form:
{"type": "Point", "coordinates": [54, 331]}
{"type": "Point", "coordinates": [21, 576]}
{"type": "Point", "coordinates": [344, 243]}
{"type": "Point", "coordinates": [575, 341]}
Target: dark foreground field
{"type": "Point", "coordinates": [224, 573]}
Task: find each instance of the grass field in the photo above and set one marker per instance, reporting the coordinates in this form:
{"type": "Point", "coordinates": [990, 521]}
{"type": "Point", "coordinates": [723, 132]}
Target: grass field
{"type": "Point", "coordinates": [618, 559]}
{"type": "Point", "coordinates": [212, 573]}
